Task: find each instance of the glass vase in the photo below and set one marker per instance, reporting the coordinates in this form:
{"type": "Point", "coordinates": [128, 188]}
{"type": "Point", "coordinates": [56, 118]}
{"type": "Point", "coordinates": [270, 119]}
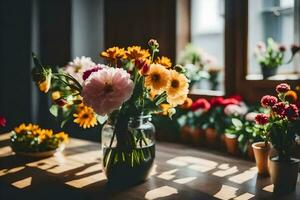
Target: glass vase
{"type": "Point", "coordinates": [128, 155]}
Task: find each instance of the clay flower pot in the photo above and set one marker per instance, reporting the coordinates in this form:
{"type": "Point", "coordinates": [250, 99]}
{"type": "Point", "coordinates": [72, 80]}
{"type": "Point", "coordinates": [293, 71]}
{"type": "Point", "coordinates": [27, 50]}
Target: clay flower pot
{"type": "Point", "coordinates": [185, 134]}
{"type": "Point", "coordinates": [261, 154]}
{"type": "Point", "coordinates": [211, 137]}
{"type": "Point", "coordinates": [231, 143]}
{"type": "Point", "coordinates": [197, 136]}
{"type": "Point", "coordinates": [284, 175]}
{"type": "Point", "coordinates": [250, 152]}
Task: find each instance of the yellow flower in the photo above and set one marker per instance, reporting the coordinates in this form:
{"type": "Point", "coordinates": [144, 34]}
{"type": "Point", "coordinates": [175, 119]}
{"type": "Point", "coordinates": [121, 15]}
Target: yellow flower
{"type": "Point", "coordinates": [165, 108]}
{"type": "Point", "coordinates": [85, 118]}
{"type": "Point", "coordinates": [297, 88]}
{"type": "Point", "coordinates": [136, 52]}
{"type": "Point", "coordinates": [157, 79]}
{"type": "Point", "coordinates": [113, 53]}
{"type": "Point", "coordinates": [45, 85]}
{"type": "Point", "coordinates": [55, 95]}
{"type": "Point", "coordinates": [177, 89]}
{"type": "Point", "coordinates": [165, 61]}
{"type": "Point", "coordinates": [62, 136]}
{"type": "Point", "coordinates": [26, 128]}
{"type": "Point", "coordinates": [44, 134]}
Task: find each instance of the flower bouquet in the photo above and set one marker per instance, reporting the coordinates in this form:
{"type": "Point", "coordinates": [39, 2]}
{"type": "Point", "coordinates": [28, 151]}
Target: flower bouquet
{"type": "Point", "coordinates": [270, 57]}
{"type": "Point", "coordinates": [124, 93]}
{"type": "Point", "coordinates": [280, 126]}
{"type": "Point", "coordinates": [31, 140]}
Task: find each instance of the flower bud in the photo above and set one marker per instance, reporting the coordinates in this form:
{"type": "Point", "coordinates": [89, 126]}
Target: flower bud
{"type": "Point", "coordinates": [153, 43]}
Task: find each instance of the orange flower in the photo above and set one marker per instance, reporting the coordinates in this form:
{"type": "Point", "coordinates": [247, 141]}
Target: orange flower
{"type": "Point", "coordinates": [291, 96]}
{"type": "Point", "coordinates": [136, 52]}
{"type": "Point", "coordinates": [62, 136]}
{"type": "Point", "coordinates": [165, 61]}
{"type": "Point", "coordinates": [187, 103]}
{"type": "Point", "coordinates": [113, 53]}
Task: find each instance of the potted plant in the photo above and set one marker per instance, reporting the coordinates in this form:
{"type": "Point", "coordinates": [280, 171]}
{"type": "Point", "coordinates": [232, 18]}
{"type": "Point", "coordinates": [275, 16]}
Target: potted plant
{"type": "Point", "coordinates": [216, 121]}
{"type": "Point", "coordinates": [191, 121]}
{"type": "Point", "coordinates": [281, 124]}
{"type": "Point", "coordinates": [271, 56]}
{"type": "Point", "coordinates": [235, 112]}
{"type": "Point", "coordinates": [31, 140]}
{"type": "Point", "coordinates": [124, 93]}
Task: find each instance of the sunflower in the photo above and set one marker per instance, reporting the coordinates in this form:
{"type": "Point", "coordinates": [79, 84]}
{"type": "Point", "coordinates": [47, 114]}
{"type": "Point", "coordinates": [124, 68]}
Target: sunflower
{"type": "Point", "coordinates": [136, 52]}
{"type": "Point", "coordinates": [113, 53]}
{"type": "Point", "coordinates": [157, 79]}
{"type": "Point", "coordinates": [44, 134]}
{"type": "Point", "coordinates": [165, 61]}
{"type": "Point", "coordinates": [85, 117]}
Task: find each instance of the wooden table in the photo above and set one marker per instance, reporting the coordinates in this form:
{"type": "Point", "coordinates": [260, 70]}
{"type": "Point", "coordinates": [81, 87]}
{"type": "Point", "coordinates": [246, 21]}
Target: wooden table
{"type": "Point", "coordinates": [180, 172]}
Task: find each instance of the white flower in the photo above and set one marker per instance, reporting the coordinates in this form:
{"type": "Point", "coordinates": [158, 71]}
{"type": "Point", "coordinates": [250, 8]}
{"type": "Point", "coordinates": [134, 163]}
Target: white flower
{"type": "Point", "coordinates": [236, 110]}
{"type": "Point", "coordinates": [251, 116]}
{"type": "Point", "coordinates": [78, 66]}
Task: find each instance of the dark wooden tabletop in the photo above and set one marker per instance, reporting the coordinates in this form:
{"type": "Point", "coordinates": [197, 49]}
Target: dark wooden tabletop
{"type": "Point", "coordinates": [180, 172]}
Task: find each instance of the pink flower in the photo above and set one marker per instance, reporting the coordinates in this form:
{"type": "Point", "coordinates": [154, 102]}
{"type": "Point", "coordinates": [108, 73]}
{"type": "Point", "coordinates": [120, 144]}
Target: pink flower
{"type": "Point", "coordinates": [279, 108]}
{"type": "Point", "coordinates": [78, 66]}
{"type": "Point", "coordinates": [2, 121]}
{"type": "Point", "coordinates": [262, 119]}
{"type": "Point", "coordinates": [235, 110]}
{"type": "Point", "coordinates": [88, 72]}
{"type": "Point", "coordinates": [200, 104]}
{"type": "Point", "coordinates": [268, 101]}
{"type": "Point", "coordinates": [106, 90]}
{"type": "Point", "coordinates": [283, 88]}
{"type": "Point", "coordinates": [291, 112]}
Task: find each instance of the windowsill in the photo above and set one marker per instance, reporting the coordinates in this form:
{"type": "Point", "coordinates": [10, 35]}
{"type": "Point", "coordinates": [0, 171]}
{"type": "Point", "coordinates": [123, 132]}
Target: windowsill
{"type": "Point", "coordinates": [202, 92]}
{"type": "Point", "coordinates": [278, 77]}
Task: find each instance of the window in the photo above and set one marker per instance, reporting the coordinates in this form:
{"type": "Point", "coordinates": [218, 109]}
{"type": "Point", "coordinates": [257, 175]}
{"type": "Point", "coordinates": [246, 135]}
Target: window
{"type": "Point", "coordinates": [275, 19]}
{"type": "Point", "coordinates": [207, 34]}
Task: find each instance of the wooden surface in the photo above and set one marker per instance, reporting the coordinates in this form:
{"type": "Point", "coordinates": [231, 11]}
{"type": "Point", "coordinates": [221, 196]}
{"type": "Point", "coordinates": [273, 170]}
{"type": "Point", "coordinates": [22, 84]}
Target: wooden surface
{"type": "Point", "coordinates": [180, 172]}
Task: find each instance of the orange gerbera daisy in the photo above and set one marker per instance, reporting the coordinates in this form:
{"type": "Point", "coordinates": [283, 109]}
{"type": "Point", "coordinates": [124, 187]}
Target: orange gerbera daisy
{"type": "Point", "coordinates": [165, 61]}
{"type": "Point", "coordinates": [187, 103]}
{"type": "Point", "coordinates": [113, 53]}
{"type": "Point", "coordinates": [136, 52]}
{"type": "Point", "coordinates": [157, 79]}
{"type": "Point", "coordinates": [85, 117]}
{"type": "Point", "coordinates": [291, 96]}
{"type": "Point", "coordinates": [178, 88]}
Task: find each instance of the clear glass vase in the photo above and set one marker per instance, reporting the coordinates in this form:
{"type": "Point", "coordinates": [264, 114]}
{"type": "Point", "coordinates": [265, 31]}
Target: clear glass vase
{"type": "Point", "coordinates": [130, 160]}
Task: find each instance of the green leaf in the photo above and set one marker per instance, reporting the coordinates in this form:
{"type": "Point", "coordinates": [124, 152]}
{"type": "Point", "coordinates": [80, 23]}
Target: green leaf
{"type": "Point", "coordinates": [54, 110]}
{"type": "Point", "coordinates": [236, 122]}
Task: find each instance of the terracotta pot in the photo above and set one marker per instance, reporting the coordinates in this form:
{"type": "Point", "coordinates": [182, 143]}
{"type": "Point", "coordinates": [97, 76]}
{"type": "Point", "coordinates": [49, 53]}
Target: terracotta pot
{"type": "Point", "coordinates": [250, 152]}
{"type": "Point", "coordinates": [284, 175]}
{"type": "Point", "coordinates": [261, 154]}
{"type": "Point", "coordinates": [211, 137]}
{"type": "Point", "coordinates": [222, 142]}
{"type": "Point", "coordinates": [231, 143]}
{"type": "Point", "coordinates": [197, 136]}
{"type": "Point", "coordinates": [185, 134]}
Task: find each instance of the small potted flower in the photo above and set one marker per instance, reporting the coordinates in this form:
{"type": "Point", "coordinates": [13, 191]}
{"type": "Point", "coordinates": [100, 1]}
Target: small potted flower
{"type": "Point", "coordinates": [235, 112]}
{"type": "Point", "coordinates": [216, 121]}
{"type": "Point", "coordinates": [281, 125]}
{"type": "Point", "coordinates": [271, 56]}
{"type": "Point", "coordinates": [31, 140]}
{"type": "Point", "coordinates": [192, 120]}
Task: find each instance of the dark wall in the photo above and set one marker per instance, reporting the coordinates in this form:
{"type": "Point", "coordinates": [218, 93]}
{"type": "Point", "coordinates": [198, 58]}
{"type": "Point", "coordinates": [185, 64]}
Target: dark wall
{"type": "Point", "coordinates": [134, 22]}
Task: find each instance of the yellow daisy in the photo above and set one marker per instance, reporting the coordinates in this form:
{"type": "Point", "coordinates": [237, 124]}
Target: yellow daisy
{"type": "Point", "coordinates": [165, 61]}
{"type": "Point", "coordinates": [157, 79]}
{"type": "Point", "coordinates": [44, 134]}
{"type": "Point", "coordinates": [85, 118]}
{"type": "Point", "coordinates": [136, 52]}
{"type": "Point", "coordinates": [177, 89]}
{"type": "Point", "coordinates": [62, 136]}
{"type": "Point", "coordinates": [26, 128]}
{"type": "Point", "coordinates": [113, 53]}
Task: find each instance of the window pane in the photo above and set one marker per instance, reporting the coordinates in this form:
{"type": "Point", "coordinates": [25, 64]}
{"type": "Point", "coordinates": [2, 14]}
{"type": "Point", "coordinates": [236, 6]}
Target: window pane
{"type": "Point", "coordinates": [270, 19]}
{"type": "Point", "coordinates": [207, 28]}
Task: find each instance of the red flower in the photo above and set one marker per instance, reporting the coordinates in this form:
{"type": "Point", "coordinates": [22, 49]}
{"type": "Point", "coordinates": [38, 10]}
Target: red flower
{"type": "Point", "coordinates": [61, 102]}
{"type": "Point", "coordinates": [291, 112]}
{"type": "Point", "coordinates": [297, 104]}
{"type": "Point", "coordinates": [279, 108]}
{"type": "Point", "coordinates": [262, 119]}
{"type": "Point", "coordinates": [268, 101]}
{"type": "Point", "coordinates": [282, 48]}
{"type": "Point", "coordinates": [200, 104]}
{"type": "Point", "coordinates": [216, 101]}
{"type": "Point", "coordinates": [237, 97]}
{"type": "Point", "coordinates": [88, 72]}
{"type": "Point", "coordinates": [283, 88]}
{"type": "Point", "coordinates": [2, 121]}
{"type": "Point", "coordinates": [220, 101]}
